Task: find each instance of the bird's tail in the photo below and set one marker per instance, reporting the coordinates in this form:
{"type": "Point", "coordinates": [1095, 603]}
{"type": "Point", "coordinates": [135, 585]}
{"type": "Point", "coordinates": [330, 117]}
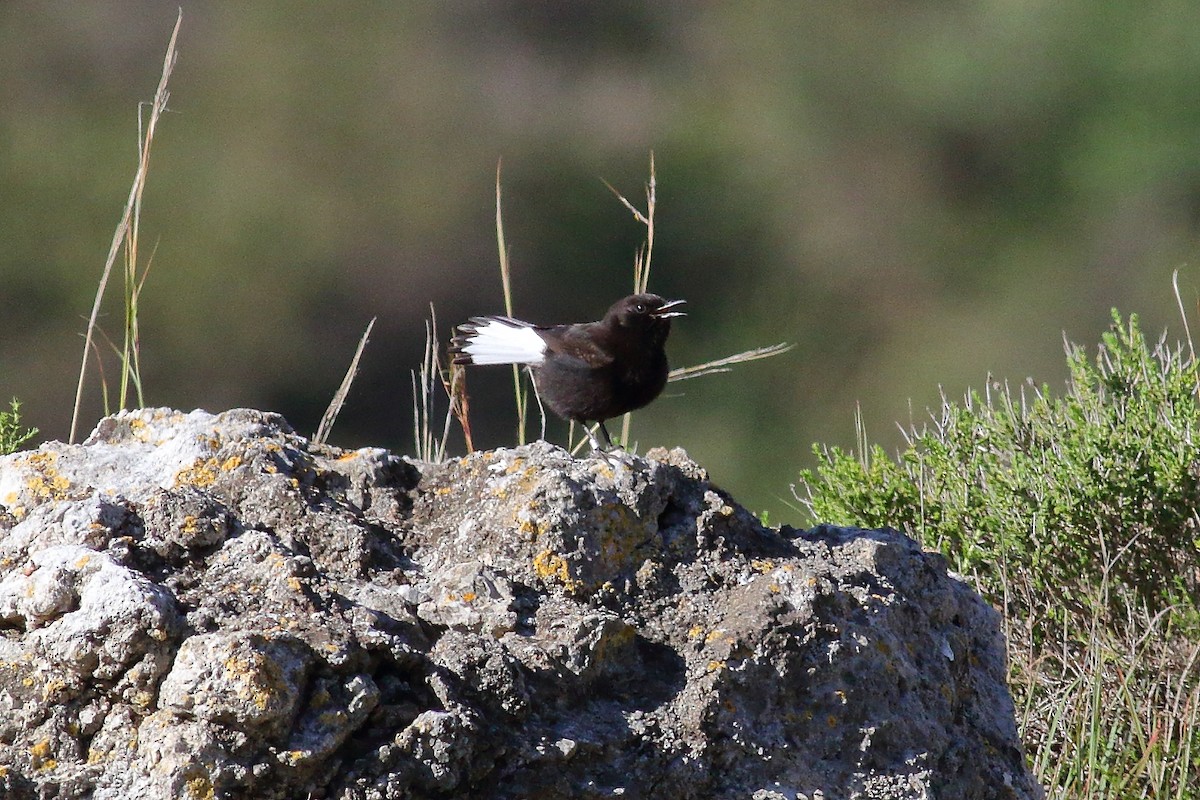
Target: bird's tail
{"type": "Point", "coordinates": [497, 340]}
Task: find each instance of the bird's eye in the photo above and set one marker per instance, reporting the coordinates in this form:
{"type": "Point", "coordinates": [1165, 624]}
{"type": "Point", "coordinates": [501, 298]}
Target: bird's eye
{"type": "Point", "coordinates": [640, 308]}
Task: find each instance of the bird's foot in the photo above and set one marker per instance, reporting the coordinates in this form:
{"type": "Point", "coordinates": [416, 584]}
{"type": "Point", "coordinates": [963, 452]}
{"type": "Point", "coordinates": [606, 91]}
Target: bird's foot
{"type": "Point", "coordinates": [611, 453]}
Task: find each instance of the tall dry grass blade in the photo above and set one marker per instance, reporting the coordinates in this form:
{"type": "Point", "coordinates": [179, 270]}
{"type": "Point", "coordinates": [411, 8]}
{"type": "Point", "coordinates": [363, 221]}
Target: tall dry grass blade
{"type": "Point", "coordinates": [1183, 314]}
{"type": "Point", "coordinates": [460, 402]}
{"type": "Point", "coordinates": [339, 397]}
{"type": "Point", "coordinates": [727, 363]}
{"type": "Point", "coordinates": [519, 394]}
{"type": "Point", "coordinates": [641, 260]}
{"type": "Point", "coordinates": [429, 447]}
{"type": "Point", "coordinates": [120, 236]}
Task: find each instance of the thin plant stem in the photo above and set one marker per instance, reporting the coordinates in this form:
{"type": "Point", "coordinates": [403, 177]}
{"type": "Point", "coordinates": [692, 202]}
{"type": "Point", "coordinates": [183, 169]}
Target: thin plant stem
{"type": "Point", "coordinates": [339, 397]}
{"type": "Point", "coordinates": [126, 228]}
{"type": "Point", "coordinates": [519, 394]}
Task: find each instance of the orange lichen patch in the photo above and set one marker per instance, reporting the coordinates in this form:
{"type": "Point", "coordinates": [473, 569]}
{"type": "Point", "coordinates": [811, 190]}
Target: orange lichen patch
{"type": "Point", "coordinates": [715, 635]}
{"type": "Point", "coordinates": [40, 756]}
{"type": "Point", "coordinates": [205, 471]}
{"type": "Point", "coordinates": [45, 482]}
{"type": "Point", "coordinates": [529, 528]}
{"type": "Point", "coordinates": [548, 564]}
{"type": "Point", "coordinates": [52, 687]}
{"type": "Point", "coordinates": [696, 632]}
{"type": "Point", "coordinates": [257, 677]}
{"type": "Point", "coordinates": [143, 700]}
{"type": "Point", "coordinates": [520, 481]}
{"type": "Point", "coordinates": [763, 565]}
{"type": "Point", "coordinates": [213, 442]}
{"type": "Point", "coordinates": [199, 787]}
{"type": "Point", "coordinates": [137, 427]}
{"type": "Point", "coordinates": [603, 470]}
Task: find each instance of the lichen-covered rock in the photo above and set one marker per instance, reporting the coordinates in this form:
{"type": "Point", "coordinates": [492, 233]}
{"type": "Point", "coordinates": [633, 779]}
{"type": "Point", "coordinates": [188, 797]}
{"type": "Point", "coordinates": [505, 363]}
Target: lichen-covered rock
{"type": "Point", "coordinates": [209, 606]}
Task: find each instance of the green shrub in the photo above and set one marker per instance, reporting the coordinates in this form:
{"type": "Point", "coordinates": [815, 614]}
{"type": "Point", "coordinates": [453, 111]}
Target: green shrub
{"type": "Point", "coordinates": [11, 435]}
{"type": "Point", "coordinates": [1100, 484]}
{"type": "Point", "coordinates": [1076, 516]}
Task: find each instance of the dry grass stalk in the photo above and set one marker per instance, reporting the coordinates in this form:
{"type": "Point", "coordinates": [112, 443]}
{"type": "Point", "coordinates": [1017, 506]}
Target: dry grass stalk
{"type": "Point", "coordinates": [339, 397]}
{"type": "Point", "coordinates": [125, 237]}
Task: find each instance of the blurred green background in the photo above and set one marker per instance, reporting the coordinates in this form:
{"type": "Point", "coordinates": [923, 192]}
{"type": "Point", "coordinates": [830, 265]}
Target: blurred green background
{"type": "Point", "coordinates": [918, 194]}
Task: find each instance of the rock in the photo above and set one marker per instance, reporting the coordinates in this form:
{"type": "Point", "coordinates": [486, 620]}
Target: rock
{"type": "Point", "coordinates": [210, 606]}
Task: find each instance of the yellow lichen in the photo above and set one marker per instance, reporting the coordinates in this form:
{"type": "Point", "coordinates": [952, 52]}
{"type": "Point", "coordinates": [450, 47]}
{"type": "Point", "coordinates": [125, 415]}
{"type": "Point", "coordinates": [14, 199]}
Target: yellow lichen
{"type": "Point", "coordinates": [46, 482]}
{"type": "Point", "coordinates": [293, 757]}
{"type": "Point", "coordinates": [202, 474]}
{"type": "Point", "coordinates": [254, 683]}
{"type": "Point", "coordinates": [199, 787]}
{"type": "Point", "coordinates": [205, 471]}
{"type": "Point", "coordinates": [548, 564]}
{"type": "Point", "coordinates": [41, 760]}
{"type": "Point", "coordinates": [52, 687]}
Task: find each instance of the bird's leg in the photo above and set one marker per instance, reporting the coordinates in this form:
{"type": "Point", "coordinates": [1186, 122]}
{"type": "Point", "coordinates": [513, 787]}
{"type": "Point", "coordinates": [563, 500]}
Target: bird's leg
{"type": "Point", "coordinates": [608, 442]}
{"type": "Point", "coordinates": [598, 448]}
{"type": "Point", "coordinates": [615, 455]}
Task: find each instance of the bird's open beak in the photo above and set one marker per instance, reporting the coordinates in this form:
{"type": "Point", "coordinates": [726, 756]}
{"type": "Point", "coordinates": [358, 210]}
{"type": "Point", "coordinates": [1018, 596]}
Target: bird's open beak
{"type": "Point", "coordinates": [667, 309]}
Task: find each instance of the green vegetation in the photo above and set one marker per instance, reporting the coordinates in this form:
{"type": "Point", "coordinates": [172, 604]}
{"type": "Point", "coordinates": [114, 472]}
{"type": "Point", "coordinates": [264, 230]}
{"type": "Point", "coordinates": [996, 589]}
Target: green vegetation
{"type": "Point", "coordinates": [1077, 517]}
{"type": "Point", "coordinates": [11, 435]}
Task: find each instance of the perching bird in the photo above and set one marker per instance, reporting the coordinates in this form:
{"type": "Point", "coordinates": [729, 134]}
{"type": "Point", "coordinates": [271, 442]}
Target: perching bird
{"type": "Point", "coordinates": [588, 372]}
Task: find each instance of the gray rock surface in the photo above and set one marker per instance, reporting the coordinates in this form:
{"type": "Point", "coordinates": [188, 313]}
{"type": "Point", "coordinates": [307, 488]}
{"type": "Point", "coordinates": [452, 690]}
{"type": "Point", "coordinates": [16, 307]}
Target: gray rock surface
{"type": "Point", "coordinates": [209, 606]}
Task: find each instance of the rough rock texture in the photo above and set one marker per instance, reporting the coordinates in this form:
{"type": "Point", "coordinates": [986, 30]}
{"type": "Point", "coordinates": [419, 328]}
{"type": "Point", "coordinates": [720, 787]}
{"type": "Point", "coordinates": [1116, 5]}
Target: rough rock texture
{"type": "Point", "coordinates": [208, 606]}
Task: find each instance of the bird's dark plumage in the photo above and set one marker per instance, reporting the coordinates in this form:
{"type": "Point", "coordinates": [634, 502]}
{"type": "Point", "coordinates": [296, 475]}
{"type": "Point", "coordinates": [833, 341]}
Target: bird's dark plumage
{"type": "Point", "coordinates": [588, 372]}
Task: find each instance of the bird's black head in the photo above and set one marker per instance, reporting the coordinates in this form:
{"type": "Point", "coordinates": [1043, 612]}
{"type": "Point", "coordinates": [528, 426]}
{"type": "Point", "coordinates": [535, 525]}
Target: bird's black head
{"type": "Point", "coordinates": [643, 311]}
